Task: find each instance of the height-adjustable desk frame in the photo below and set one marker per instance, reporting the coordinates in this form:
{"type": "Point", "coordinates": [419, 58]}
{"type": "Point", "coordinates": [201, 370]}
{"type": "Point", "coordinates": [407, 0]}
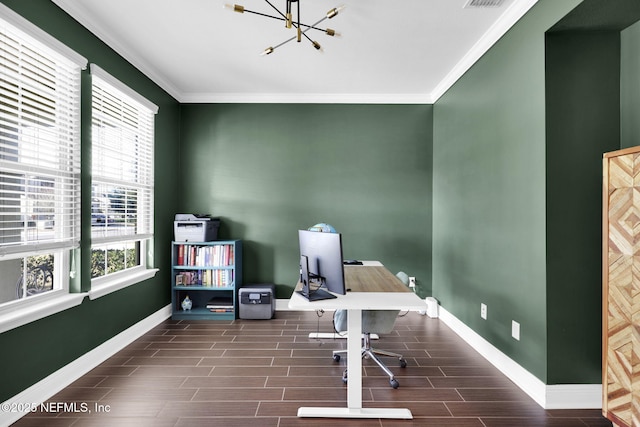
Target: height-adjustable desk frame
{"type": "Point", "coordinates": [373, 287]}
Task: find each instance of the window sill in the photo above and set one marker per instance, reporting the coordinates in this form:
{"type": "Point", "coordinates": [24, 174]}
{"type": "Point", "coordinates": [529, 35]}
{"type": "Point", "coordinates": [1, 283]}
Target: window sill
{"type": "Point", "coordinates": [36, 311]}
{"type": "Point", "coordinates": [28, 313]}
{"type": "Point", "coordinates": [121, 282]}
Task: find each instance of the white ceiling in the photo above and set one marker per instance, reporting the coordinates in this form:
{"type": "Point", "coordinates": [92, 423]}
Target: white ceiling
{"type": "Point", "coordinates": [408, 51]}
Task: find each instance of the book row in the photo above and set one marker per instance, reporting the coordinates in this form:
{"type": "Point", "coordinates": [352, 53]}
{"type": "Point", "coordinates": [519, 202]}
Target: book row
{"type": "Point", "coordinates": [205, 256]}
{"type": "Point", "coordinates": [207, 278]}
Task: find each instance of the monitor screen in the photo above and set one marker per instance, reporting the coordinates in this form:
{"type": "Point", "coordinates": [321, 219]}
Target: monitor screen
{"type": "Point", "coordinates": [321, 264]}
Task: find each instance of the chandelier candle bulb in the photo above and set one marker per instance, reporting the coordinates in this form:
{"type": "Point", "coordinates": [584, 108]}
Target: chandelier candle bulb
{"type": "Point", "coordinates": [333, 12]}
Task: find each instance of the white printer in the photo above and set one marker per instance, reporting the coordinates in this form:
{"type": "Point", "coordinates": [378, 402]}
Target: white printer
{"type": "Point", "coordinates": [195, 228]}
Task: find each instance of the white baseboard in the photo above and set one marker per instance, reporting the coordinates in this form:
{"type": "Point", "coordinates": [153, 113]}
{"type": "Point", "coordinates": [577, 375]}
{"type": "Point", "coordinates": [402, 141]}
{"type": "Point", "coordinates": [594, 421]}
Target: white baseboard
{"type": "Point", "coordinates": [49, 386]}
{"type": "Point", "coordinates": [574, 396]}
{"type": "Point", "coordinates": [283, 304]}
{"type": "Point", "coordinates": [561, 396]}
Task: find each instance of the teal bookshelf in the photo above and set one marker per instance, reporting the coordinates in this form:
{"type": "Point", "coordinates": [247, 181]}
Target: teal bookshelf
{"type": "Point", "coordinates": [209, 274]}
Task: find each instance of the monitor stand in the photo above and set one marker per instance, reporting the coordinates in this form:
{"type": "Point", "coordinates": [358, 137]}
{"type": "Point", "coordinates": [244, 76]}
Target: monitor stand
{"type": "Point", "coordinates": [317, 295]}
{"type": "Point", "coordinates": [307, 278]}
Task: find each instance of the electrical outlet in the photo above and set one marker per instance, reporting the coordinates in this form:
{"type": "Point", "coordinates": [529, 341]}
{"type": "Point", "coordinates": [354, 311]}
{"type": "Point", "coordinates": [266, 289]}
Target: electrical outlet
{"type": "Point", "coordinates": [483, 311]}
{"type": "Point", "coordinates": [412, 282]}
{"type": "Point", "coordinates": [515, 330]}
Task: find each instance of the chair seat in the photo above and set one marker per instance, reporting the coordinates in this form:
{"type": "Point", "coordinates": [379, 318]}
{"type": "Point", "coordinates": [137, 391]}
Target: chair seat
{"type": "Point", "coordinates": [373, 321]}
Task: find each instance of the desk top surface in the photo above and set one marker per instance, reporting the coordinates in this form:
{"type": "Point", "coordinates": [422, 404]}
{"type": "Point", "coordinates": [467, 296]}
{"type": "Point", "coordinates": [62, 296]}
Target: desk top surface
{"type": "Point", "coordinates": [364, 278]}
{"type": "Point", "coordinates": [372, 287]}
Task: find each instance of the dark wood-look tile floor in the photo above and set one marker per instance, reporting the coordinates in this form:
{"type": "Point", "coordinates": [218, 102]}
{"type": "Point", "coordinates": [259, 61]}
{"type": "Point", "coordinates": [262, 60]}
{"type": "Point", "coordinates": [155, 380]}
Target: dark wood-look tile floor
{"type": "Point", "coordinates": [258, 372]}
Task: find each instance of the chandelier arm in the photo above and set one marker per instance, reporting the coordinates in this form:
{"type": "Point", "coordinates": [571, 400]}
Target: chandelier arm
{"type": "Point", "coordinates": [284, 42]}
{"type": "Point", "coordinates": [290, 39]}
{"type": "Point", "coordinates": [287, 41]}
{"type": "Point", "coordinates": [299, 29]}
{"type": "Point", "coordinates": [284, 18]}
{"type": "Point", "coordinates": [264, 14]}
{"type": "Point", "coordinates": [313, 26]}
{"type": "Point", "coordinates": [307, 26]}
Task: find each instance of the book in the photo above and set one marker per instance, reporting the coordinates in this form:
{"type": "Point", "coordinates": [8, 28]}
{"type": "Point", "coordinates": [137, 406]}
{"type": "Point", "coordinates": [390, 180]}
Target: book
{"type": "Point", "coordinates": [220, 303]}
{"type": "Point", "coordinates": [180, 254]}
{"type": "Point", "coordinates": [222, 310]}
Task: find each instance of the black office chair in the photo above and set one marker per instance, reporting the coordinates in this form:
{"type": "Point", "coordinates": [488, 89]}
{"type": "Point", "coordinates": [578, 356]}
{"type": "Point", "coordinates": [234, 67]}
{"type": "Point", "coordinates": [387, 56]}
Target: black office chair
{"type": "Point", "coordinates": [376, 322]}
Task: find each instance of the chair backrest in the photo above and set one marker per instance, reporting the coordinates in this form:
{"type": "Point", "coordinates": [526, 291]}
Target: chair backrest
{"type": "Point", "coordinates": [404, 277]}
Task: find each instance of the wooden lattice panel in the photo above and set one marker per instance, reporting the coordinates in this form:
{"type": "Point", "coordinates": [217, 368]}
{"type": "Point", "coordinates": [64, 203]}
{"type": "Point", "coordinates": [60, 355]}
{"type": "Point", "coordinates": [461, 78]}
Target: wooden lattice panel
{"type": "Point", "coordinates": [621, 292]}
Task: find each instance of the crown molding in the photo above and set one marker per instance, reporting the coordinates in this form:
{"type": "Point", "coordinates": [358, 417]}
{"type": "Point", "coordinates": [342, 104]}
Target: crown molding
{"type": "Point", "coordinates": [77, 11]}
{"type": "Point", "coordinates": [511, 16]}
{"type": "Point", "coordinates": [304, 98]}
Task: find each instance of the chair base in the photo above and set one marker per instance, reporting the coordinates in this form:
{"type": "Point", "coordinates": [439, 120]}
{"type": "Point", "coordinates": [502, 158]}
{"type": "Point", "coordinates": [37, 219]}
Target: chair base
{"type": "Point", "coordinates": [370, 353]}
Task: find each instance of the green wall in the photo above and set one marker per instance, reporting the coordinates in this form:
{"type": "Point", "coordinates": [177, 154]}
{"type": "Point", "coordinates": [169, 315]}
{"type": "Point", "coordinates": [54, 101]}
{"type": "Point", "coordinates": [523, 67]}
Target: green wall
{"type": "Point", "coordinates": [630, 83]}
{"type": "Point", "coordinates": [33, 351]}
{"type": "Point", "coordinates": [583, 121]}
{"type": "Point", "coordinates": [466, 195]}
{"type": "Point", "coordinates": [489, 196]}
{"type": "Point", "coordinates": [269, 170]}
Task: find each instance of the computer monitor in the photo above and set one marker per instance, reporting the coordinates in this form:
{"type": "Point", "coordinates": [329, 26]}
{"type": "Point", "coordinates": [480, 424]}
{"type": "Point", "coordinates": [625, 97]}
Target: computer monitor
{"type": "Point", "coordinates": [321, 265]}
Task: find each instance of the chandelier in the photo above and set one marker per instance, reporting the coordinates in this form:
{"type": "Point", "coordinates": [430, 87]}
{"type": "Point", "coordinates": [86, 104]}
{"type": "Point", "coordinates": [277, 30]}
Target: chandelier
{"type": "Point", "coordinates": [300, 28]}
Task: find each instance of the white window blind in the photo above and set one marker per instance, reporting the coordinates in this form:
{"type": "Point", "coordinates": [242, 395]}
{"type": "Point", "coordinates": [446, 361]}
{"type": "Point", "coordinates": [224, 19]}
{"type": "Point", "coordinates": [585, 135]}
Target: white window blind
{"type": "Point", "coordinates": [122, 161]}
{"type": "Point", "coordinates": [39, 140]}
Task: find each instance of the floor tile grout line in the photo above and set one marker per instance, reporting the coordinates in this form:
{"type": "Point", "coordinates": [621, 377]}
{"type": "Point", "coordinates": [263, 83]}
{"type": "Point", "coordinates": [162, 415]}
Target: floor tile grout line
{"type": "Point", "coordinates": [286, 339]}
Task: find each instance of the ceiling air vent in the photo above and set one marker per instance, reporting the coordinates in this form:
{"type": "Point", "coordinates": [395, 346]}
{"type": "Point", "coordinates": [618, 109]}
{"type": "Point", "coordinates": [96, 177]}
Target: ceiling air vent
{"type": "Point", "coordinates": [483, 3]}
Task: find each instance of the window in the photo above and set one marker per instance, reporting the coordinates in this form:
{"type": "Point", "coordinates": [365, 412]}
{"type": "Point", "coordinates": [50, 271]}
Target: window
{"type": "Point", "coordinates": [39, 161]}
{"type": "Point", "coordinates": [122, 136]}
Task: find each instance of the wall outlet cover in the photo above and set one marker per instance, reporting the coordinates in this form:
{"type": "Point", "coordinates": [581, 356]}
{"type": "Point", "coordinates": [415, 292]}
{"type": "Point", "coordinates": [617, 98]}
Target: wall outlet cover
{"type": "Point", "coordinates": [515, 330]}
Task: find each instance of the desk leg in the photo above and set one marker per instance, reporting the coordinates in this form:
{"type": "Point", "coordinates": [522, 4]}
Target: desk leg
{"type": "Point", "coordinates": [354, 359]}
{"type": "Point", "coordinates": [354, 407]}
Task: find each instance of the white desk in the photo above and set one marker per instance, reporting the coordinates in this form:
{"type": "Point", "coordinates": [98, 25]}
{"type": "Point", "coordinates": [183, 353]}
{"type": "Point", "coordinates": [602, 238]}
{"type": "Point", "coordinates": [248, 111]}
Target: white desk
{"type": "Point", "coordinates": [373, 287]}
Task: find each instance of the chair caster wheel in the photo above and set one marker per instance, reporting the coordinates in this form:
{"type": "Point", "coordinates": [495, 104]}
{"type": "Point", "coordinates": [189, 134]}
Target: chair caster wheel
{"type": "Point", "coordinates": [344, 376]}
{"type": "Point", "coordinates": [336, 357]}
{"type": "Point", "coordinates": [403, 363]}
{"type": "Point", "coordinates": [394, 383]}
